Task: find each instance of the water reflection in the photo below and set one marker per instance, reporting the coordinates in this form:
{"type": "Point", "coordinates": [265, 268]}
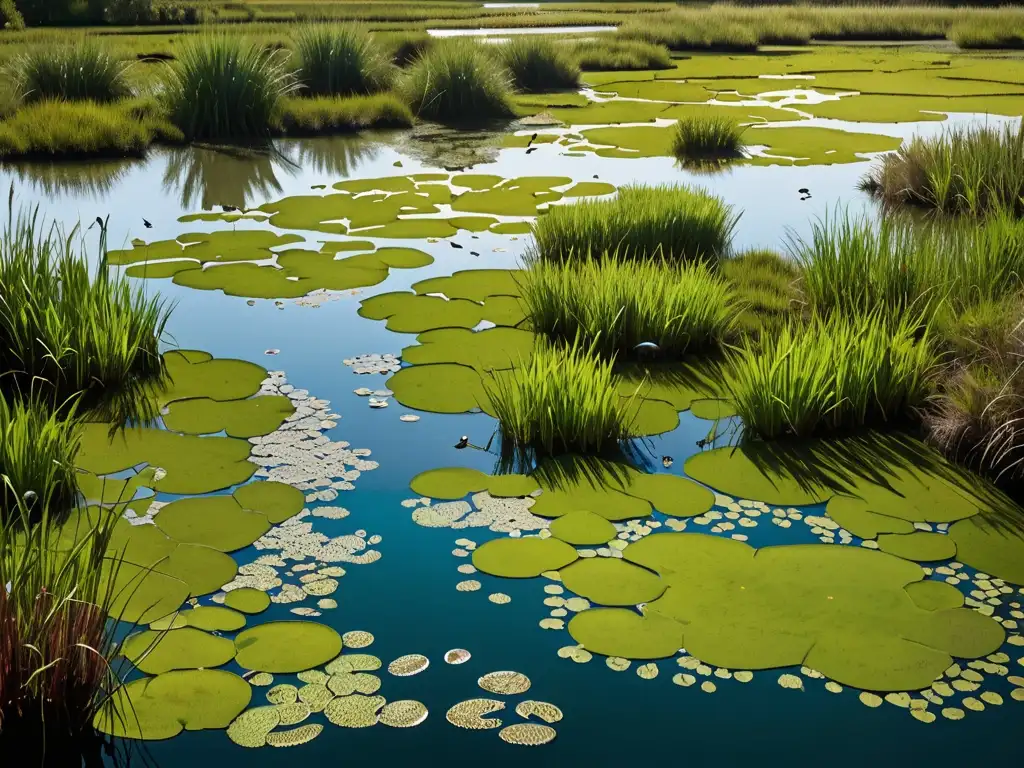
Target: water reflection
{"type": "Point", "coordinates": [451, 148]}
{"type": "Point", "coordinates": [221, 176]}
{"type": "Point", "coordinates": [94, 178]}
{"type": "Point", "coordinates": [336, 155]}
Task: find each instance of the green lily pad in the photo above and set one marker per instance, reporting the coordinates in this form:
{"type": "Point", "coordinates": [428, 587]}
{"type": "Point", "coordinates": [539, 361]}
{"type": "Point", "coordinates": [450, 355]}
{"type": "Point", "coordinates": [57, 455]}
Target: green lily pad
{"type": "Point", "coordinates": [441, 388]}
{"type": "Point", "coordinates": [188, 648]}
{"type": "Point", "coordinates": [286, 646]}
{"type": "Point", "coordinates": [991, 546]}
{"type": "Point", "coordinates": [853, 514]}
{"type": "Point", "coordinates": [599, 487]}
{"type": "Point", "coordinates": [731, 471]}
{"type": "Point", "coordinates": [277, 501]}
{"type": "Point", "coordinates": [934, 595]}
{"type": "Point", "coordinates": [712, 409]}
{"type": "Point", "coordinates": [673, 495]}
{"type": "Point", "coordinates": [155, 708]}
{"type": "Point", "coordinates": [141, 595]}
{"type": "Point", "coordinates": [473, 284]}
{"type": "Point", "coordinates": [625, 633]}
{"type": "Point", "coordinates": [522, 558]}
{"type": "Point", "coordinates": [247, 600]}
{"type": "Point", "coordinates": [415, 313]}
{"type": "Point", "coordinates": [194, 374]}
{"type": "Point", "coordinates": [212, 618]}
{"type": "Point", "coordinates": [612, 582]}
{"type": "Point", "coordinates": [582, 528]}
{"type": "Point", "coordinates": [194, 465]}
{"type": "Point", "coordinates": [492, 349]}
{"type": "Point", "coordinates": [228, 245]}
{"type": "Point", "coordinates": [512, 228]}
{"type": "Point", "coordinates": [919, 546]}
{"type": "Point", "coordinates": [238, 418]}
{"type": "Point", "coordinates": [215, 521]}
{"type": "Point", "coordinates": [502, 486]}
{"type": "Point", "coordinates": [203, 569]}
{"type": "Point", "coordinates": [448, 482]}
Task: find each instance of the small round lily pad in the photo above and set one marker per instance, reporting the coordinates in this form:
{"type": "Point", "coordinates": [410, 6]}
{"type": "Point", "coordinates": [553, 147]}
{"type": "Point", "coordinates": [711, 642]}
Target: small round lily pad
{"type": "Point", "coordinates": [247, 600]}
{"type": "Point", "coordinates": [286, 646]}
{"type": "Point", "coordinates": [582, 528]}
{"type": "Point", "coordinates": [523, 557]}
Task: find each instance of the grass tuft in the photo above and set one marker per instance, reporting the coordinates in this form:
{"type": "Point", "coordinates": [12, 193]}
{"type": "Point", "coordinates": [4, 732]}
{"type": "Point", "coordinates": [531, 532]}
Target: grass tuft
{"type": "Point", "coordinates": [616, 53]}
{"type": "Point", "coordinates": [319, 116]}
{"type": "Point", "coordinates": [222, 87]}
{"type": "Point", "coordinates": [766, 288]}
{"type": "Point", "coordinates": [612, 305]}
{"type": "Point", "coordinates": [704, 139]}
{"type": "Point", "coordinates": [539, 65]}
{"type": "Point", "coordinates": [974, 170]}
{"type": "Point", "coordinates": [562, 401]}
{"type": "Point", "coordinates": [673, 222]}
{"type": "Point", "coordinates": [81, 72]}
{"type": "Point", "coordinates": [457, 81]}
{"type": "Point", "coordinates": [833, 375]}
{"type": "Point", "coordinates": [341, 60]}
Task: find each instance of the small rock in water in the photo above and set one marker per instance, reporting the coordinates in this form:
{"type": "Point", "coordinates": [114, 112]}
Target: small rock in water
{"type": "Point", "coordinates": [409, 417]}
{"type": "Point", "coordinates": [272, 352]}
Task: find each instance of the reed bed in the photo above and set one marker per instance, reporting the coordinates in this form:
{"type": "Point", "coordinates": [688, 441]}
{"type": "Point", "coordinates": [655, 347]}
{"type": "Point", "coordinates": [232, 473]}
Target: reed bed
{"type": "Point", "coordinates": [222, 87]}
{"type": "Point", "coordinates": [832, 375]}
{"type": "Point", "coordinates": [341, 60]}
{"type": "Point", "coordinates": [457, 81]}
{"type": "Point", "coordinates": [67, 329]}
{"type": "Point", "coordinates": [83, 71]}
{"type": "Point", "coordinates": [707, 139]}
{"type": "Point", "coordinates": [320, 115]}
{"type": "Point", "coordinates": [666, 221]}
{"type": "Point", "coordinates": [765, 286]}
{"type": "Point", "coordinates": [974, 170]}
{"type": "Point", "coordinates": [618, 53]}
{"type": "Point", "coordinates": [562, 401]}
{"type": "Point", "coordinates": [854, 265]}
{"type": "Point", "coordinates": [613, 305]}
{"type": "Point", "coordinates": [538, 65]}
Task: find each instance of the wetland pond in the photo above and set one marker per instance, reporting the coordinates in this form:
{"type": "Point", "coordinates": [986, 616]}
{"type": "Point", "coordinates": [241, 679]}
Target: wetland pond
{"type": "Point", "coordinates": [855, 646]}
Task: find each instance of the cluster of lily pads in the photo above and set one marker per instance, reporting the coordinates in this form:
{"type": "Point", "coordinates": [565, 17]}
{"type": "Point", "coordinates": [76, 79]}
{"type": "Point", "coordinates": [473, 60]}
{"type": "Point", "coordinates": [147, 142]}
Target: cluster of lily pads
{"type": "Point", "coordinates": [472, 713]}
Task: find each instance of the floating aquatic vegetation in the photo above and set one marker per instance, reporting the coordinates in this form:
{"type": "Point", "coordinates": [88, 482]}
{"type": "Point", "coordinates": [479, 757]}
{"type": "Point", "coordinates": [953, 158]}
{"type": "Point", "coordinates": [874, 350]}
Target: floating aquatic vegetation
{"type": "Point", "coordinates": [251, 728]}
{"type": "Point", "coordinates": [347, 683]}
{"type": "Point", "coordinates": [315, 695]}
{"type": "Point", "coordinates": [549, 713]}
{"type": "Point", "coordinates": [355, 711]}
{"type": "Point", "coordinates": [791, 681]}
{"type": "Point", "coordinates": [647, 671]}
{"type": "Point", "coordinates": [187, 648]}
{"type": "Point", "coordinates": [403, 714]}
{"type": "Point", "coordinates": [357, 639]}
{"type": "Point", "coordinates": [285, 693]}
{"type": "Point", "coordinates": [505, 683]}
{"type": "Point", "coordinates": [294, 713]}
{"type": "Point", "coordinates": [612, 582]}
{"type": "Point", "coordinates": [286, 646]}
{"type": "Point", "coordinates": [457, 656]}
{"type": "Point", "coordinates": [294, 737]}
{"type": "Point", "coordinates": [353, 662]}
{"type": "Point", "coordinates": [469, 585]}
{"type": "Point", "coordinates": [552, 624]}
{"type": "Point", "coordinates": [374, 363]}
{"type": "Point", "coordinates": [470, 714]}
{"type": "Point", "coordinates": [527, 734]}
{"type": "Point", "coordinates": [261, 679]}
{"type": "Point", "coordinates": [499, 598]}
{"type": "Point", "coordinates": [523, 558]}
{"type": "Point", "coordinates": [617, 663]}
{"type": "Point", "coordinates": [412, 664]}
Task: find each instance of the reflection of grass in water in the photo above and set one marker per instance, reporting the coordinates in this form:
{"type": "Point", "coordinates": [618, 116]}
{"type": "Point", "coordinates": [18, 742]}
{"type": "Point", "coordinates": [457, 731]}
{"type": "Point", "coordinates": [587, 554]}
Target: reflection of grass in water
{"type": "Point", "coordinates": [450, 148]}
{"type": "Point", "coordinates": [94, 178]}
{"type": "Point", "coordinates": [220, 175]}
{"type": "Point", "coordinates": [333, 155]}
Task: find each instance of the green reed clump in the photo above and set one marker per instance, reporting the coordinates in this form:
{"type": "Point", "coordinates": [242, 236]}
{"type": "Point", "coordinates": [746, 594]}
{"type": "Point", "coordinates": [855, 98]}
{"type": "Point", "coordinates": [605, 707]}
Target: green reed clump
{"type": "Point", "coordinates": [538, 65]}
{"type": "Point", "coordinates": [673, 222]}
{"type": "Point", "coordinates": [563, 400]}
{"type": "Point", "coordinates": [618, 53]}
{"type": "Point", "coordinates": [457, 81]}
{"type": "Point", "coordinates": [973, 170]}
{"type": "Point", "coordinates": [37, 454]}
{"type": "Point", "coordinates": [317, 116]}
{"type": "Point", "coordinates": [81, 71]}
{"type": "Point", "coordinates": [987, 33]}
{"type": "Point", "coordinates": [765, 284]}
{"type": "Point", "coordinates": [341, 60]}
{"type": "Point", "coordinates": [222, 87]}
{"type": "Point", "coordinates": [67, 328]}
{"type": "Point", "coordinates": [856, 265]}
{"type": "Point", "coordinates": [831, 375]}
{"type": "Point", "coordinates": [693, 31]}
{"type": "Point", "coordinates": [57, 643]}
{"type": "Point", "coordinates": [703, 138]}
{"type": "Point", "coordinates": [612, 305]}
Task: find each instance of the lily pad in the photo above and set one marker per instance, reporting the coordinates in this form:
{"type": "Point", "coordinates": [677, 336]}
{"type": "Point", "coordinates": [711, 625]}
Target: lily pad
{"type": "Point", "coordinates": [236, 418]}
{"type": "Point", "coordinates": [990, 546]}
{"type": "Point", "coordinates": [188, 648]}
{"type": "Point", "coordinates": [582, 527]}
{"type": "Point", "coordinates": [919, 546]}
{"type": "Point", "coordinates": [522, 558]}
{"type": "Point", "coordinates": [442, 388]}
{"type": "Point", "coordinates": [215, 521]}
{"type": "Point", "coordinates": [673, 495]}
{"type": "Point", "coordinates": [625, 633]}
{"type": "Point", "coordinates": [277, 501]}
{"type": "Point", "coordinates": [610, 581]}
{"type": "Point", "coordinates": [247, 600]}
{"type": "Point", "coordinates": [287, 646]}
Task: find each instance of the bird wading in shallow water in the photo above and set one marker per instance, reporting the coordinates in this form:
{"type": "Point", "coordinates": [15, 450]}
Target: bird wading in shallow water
{"type": "Point", "coordinates": [463, 442]}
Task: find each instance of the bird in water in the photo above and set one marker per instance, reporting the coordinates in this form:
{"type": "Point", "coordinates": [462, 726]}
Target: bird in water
{"type": "Point", "coordinates": [454, 245]}
{"type": "Point", "coordinates": [147, 224]}
{"type": "Point", "coordinates": [473, 253]}
{"type": "Point", "coordinates": [666, 461]}
{"type": "Point", "coordinates": [531, 149]}
{"type": "Point", "coordinates": [532, 139]}
{"type": "Point", "coordinates": [463, 442]}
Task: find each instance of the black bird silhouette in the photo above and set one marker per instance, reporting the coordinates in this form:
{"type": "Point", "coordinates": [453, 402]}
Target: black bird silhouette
{"type": "Point", "coordinates": [147, 224]}
{"type": "Point", "coordinates": [454, 245]}
{"type": "Point", "coordinates": [463, 442]}
{"type": "Point", "coordinates": [531, 149]}
{"type": "Point", "coordinates": [532, 139]}
{"type": "Point", "coordinates": [594, 176]}
{"type": "Point", "coordinates": [473, 253]}
{"type": "Point", "coordinates": [804, 191]}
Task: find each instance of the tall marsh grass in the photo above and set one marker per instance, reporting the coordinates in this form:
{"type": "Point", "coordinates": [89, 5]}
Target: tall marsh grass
{"type": "Point", "coordinates": [673, 222]}
{"type": "Point", "coordinates": [974, 170]}
{"type": "Point", "coordinates": [618, 53]}
{"type": "Point", "coordinates": [562, 401]}
{"type": "Point", "coordinates": [538, 65]}
{"type": "Point", "coordinates": [457, 81]}
{"type": "Point", "coordinates": [612, 305]}
{"type": "Point", "coordinates": [341, 60]}
{"type": "Point", "coordinates": [765, 285]}
{"type": "Point", "coordinates": [222, 87]}
{"type": "Point", "coordinates": [63, 129]}
{"type": "Point", "coordinates": [68, 328]}
{"type": "Point", "coordinates": [82, 71]}
{"type": "Point", "coordinates": [832, 375]}
{"type": "Point", "coordinates": [855, 265]}
{"type": "Point", "coordinates": [704, 139]}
